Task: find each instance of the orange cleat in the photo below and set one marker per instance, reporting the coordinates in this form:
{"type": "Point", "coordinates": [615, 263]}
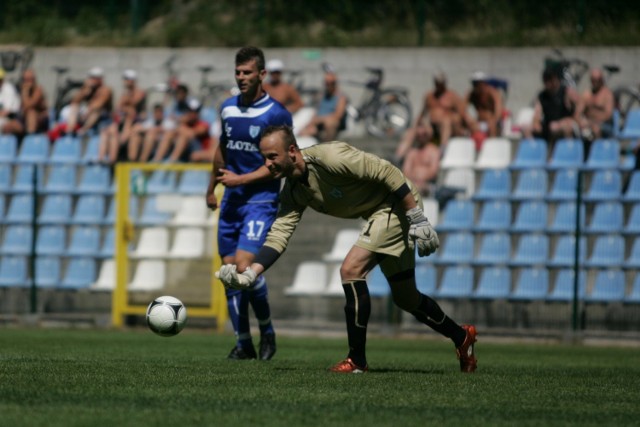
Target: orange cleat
{"type": "Point", "coordinates": [466, 355]}
{"type": "Point", "coordinates": [347, 366]}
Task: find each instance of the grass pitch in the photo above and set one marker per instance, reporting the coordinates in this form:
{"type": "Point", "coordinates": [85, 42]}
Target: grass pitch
{"type": "Point", "coordinates": [134, 378]}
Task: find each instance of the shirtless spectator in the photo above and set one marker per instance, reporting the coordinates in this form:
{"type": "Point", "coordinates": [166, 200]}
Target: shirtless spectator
{"type": "Point", "coordinates": [9, 107]}
{"type": "Point", "coordinates": [487, 102]}
{"type": "Point", "coordinates": [595, 110]}
{"type": "Point", "coordinates": [280, 90]}
{"type": "Point", "coordinates": [92, 105]}
{"type": "Point", "coordinates": [153, 126]}
{"type": "Point", "coordinates": [331, 112]}
{"type": "Point", "coordinates": [33, 112]}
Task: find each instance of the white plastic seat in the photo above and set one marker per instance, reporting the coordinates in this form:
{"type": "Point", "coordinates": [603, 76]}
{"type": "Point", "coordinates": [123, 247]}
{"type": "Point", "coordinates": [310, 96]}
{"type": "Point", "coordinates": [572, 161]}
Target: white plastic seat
{"type": "Point", "coordinates": [431, 209]}
{"type": "Point", "coordinates": [306, 141]}
{"type": "Point", "coordinates": [345, 239]}
{"type": "Point", "coordinates": [495, 154]}
{"type": "Point", "coordinates": [301, 118]}
{"type": "Point", "coordinates": [193, 211]}
{"type": "Point", "coordinates": [188, 243]}
{"type": "Point", "coordinates": [334, 288]}
{"type": "Point", "coordinates": [310, 279]}
{"type": "Point", "coordinates": [106, 280]}
{"type": "Point", "coordinates": [150, 275]}
{"type": "Point", "coordinates": [459, 153]}
{"type": "Point", "coordinates": [465, 179]}
{"type": "Point", "coordinates": [153, 243]}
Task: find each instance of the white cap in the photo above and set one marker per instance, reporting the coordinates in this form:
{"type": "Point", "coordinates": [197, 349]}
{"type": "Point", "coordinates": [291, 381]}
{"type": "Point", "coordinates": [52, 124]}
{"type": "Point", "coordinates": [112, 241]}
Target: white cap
{"type": "Point", "coordinates": [129, 74]}
{"type": "Point", "coordinates": [274, 65]}
{"type": "Point", "coordinates": [193, 104]}
{"type": "Point", "coordinates": [96, 72]}
{"type": "Point", "coordinates": [478, 76]}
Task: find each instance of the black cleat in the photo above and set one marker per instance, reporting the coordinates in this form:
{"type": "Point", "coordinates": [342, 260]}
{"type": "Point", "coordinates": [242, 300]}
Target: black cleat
{"type": "Point", "coordinates": [267, 346]}
{"type": "Point", "coordinates": [240, 353]}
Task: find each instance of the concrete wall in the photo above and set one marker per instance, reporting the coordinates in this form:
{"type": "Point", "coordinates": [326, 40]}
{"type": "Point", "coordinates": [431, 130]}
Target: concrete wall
{"type": "Point", "coordinates": [409, 67]}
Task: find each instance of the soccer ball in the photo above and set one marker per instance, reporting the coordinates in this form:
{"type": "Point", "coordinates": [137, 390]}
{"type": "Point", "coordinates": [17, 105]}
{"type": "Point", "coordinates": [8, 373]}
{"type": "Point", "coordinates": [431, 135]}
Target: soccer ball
{"type": "Point", "coordinates": [166, 316]}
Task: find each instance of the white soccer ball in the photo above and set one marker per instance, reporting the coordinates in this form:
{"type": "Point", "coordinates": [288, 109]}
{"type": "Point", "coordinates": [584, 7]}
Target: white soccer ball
{"type": "Point", "coordinates": [166, 316]}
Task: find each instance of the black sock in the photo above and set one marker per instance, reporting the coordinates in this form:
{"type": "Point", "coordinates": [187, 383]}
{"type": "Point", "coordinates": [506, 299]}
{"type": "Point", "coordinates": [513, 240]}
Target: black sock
{"type": "Point", "coordinates": [430, 313]}
{"type": "Point", "coordinates": [357, 311]}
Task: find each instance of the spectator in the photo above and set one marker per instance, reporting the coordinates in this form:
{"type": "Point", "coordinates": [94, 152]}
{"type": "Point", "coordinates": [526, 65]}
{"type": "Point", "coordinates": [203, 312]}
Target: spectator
{"type": "Point", "coordinates": [595, 109]}
{"type": "Point", "coordinates": [280, 90]}
{"type": "Point", "coordinates": [487, 102]}
{"type": "Point", "coordinates": [9, 107]}
{"type": "Point", "coordinates": [154, 127]}
{"type": "Point", "coordinates": [91, 107]}
{"type": "Point", "coordinates": [331, 112]}
{"type": "Point", "coordinates": [33, 113]}
{"type": "Point", "coordinates": [554, 109]}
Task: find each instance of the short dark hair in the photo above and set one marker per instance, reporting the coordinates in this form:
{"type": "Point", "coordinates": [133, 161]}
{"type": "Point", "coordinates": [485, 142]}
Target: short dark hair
{"type": "Point", "coordinates": [183, 87]}
{"type": "Point", "coordinates": [248, 53]}
{"type": "Point", "coordinates": [288, 137]}
{"type": "Point", "coordinates": [158, 106]}
{"type": "Point", "coordinates": [549, 73]}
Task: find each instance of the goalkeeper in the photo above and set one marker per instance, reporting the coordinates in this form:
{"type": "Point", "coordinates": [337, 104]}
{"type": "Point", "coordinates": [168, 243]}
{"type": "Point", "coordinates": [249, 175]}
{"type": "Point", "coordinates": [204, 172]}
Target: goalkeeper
{"type": "Point", "coordinates": [339, 180]}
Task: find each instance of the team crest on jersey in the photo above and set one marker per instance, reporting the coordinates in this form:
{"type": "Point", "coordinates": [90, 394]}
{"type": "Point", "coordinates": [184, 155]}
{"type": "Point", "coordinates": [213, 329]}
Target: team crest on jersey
{"type": "Point", "coordinates": [227, 129]}
{"type": "Point", "coordinates": [254, 131]}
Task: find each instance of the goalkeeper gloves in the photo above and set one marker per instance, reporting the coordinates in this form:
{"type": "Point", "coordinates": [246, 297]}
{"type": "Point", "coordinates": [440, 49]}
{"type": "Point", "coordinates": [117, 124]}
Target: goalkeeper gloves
{"type": "Point", "coordinates": [422, 233]}
{"type": "Point", "coordinates": [231, 279]}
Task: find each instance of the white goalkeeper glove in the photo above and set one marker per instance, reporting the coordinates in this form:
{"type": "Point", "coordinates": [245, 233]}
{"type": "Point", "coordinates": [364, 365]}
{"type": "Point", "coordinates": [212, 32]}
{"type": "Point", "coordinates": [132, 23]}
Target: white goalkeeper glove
{"type": "Point", "coordinates": [231, 279]}
{"type": "Point", "coordinates": [422, 233]}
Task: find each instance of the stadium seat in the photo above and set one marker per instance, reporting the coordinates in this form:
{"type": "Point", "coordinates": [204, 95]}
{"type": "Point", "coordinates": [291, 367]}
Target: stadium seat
{"type": "Point", "coordinates": [150, 275]}
{"type": "Point", "coordinates": [495, 184]}
{"type": "Point", "coordinates": [459, 153]}
{"type": "Point", "coordinates": [153, 243]}
{"type": "Point", "coordinates": [458, 216]}
{"type": "Point", "coordinates": [627, 162]}
{"type": "Point", "coordinates": [187, 243]}
{"type": "Point", "coordinates": [457, 282]}
{"type": "Point", "coordinates": [633, 261]}
{"type": "Point", "coordinates": [107, 249]}
{"type": "Point", "coordinates": [377, 283]}
{"type": "Point", "coordinates": [66, 150]}
{"type": "Point", "coordinates": [461, 179]}
{"type": "Point", "coordinates": [151, 215]}
{"type": "Point", "coordinates": [310, 279]}
{"type": "Point", "coordinates": [564, 220]}
{"type": "Point", "coordinates": [85, 241]}
{"type": "Point", "coordinates": [431, 209]}
{"type": "Point", "coordinates": [106, 280]}
{"type": "Point", "coordinates": [96, 179]}
{"type": "Point", "coordinates": [8, 148]}
{"type": "Point", "coordinates": [34, 149]}
{"type": "Point", "coordinates": [457, 248]}
{"type": "Point", "coordinates": [91, 151]}
{"type": "Point", "coordinates": [565, 254]}
{"type": "Point", "coordinates": [494, 154]}
{"type": "Point", "coordinates": [89, 210]}
{"type": "Point", "coordinates": [209, 114]}
{"type": "Point", "coordinates": [633, 188]}
{"type": "Point", "coordinates": [23, 181]}
{"type": "Point", "coordinates": [13, 271]}
{"type": "Point", "coordinates": [110, 218]}
{"type": "Point", "coordinates": [2, 208]}
{"type": "Point", "coordinates": [607, 218]}
{"type": "Point", "coordinates": [495, 248]}
{"type": "Point", "coordinates": [305, 141]}
{"type": "Point", "coordinates": [604, 154]}
{"type": "Point", "coordinates": [608, 251]}
{"type": "Point", "coordinates": [633, 223]}
{"type": "Point", "coordinates": [56, 209]}
{"type": "Point", "coordinates": [634, 295]}
{"type": "Point", "coordinates": [533, 249]}
{"type": "Point", "coordinates": [606, 185]}
{"type": "Point", "coordinates": [563, 287]}
{"type": "Point", "coordinates": [531, 216]}
{"type": "Point", "coordinates": [342, 244]}
{"type": "Point", "coordinates": [531, 184]}
{"type": "Point", "coordinates": [531, 153]}
{"type": "Point", "coordinates": [79, 274]}
{"type": "Point", "coordinates": [334, 286]}
{"type": "Point", "coordinates": [20, 210]}
{"type": "Point", "coordinates": [426, 279]}
{"type": "Point", "coordinates": [494, 216]}
{"type": "Point", "coordinates": [5, 178]}
{"type": "Point", "coordinates": [17, 240]}
{"type": "Point", "coordinates": [494, 283]}
{"type": "Point", "coordinates": [631, 129]}
{"type": "Point", "coordinates": [162, 181]}
{"type": "Point", "coordinates": [564, 186]}
{"type": "Point", "coordinates": [48, 270]}
{"type": "Point", "coordinates": [609, 286]}
{"type": "Point", "coordinates": [62, 179]}
{"type": "Point", "coordinates": [193, 211]}
{"type": "Point", "coordinates": [567, 153]}
{"type": "Point", "coordinates": [193, 182]}
{"type": "Point", "coordinates": [51, 240]}
{"type": "Point", "coordinates": [532, 284]}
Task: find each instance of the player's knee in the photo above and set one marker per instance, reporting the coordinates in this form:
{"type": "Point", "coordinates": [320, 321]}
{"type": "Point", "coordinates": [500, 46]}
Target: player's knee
{"type": "Point", "coordinates": [349, 271]}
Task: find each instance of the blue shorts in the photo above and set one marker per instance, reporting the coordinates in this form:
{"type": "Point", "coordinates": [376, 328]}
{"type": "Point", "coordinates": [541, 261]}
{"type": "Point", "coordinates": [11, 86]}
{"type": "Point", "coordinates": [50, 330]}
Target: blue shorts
{"type": "Point", "coordinates": [244, 226]}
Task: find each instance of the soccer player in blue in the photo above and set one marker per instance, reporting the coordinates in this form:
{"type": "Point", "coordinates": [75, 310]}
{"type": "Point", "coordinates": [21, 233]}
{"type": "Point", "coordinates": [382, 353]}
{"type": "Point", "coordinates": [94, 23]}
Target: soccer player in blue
{"type": "Point", "coordinates": [250, 202]}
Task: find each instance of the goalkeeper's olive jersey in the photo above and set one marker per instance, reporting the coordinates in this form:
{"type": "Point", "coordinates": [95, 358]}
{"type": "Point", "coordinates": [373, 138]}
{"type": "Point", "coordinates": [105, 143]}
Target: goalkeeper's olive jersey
{"type": "Point", "coordinates": [341, 181]}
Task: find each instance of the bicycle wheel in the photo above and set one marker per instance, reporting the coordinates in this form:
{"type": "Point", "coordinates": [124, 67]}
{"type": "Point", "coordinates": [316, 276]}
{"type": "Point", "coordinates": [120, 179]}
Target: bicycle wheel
{"type": "Point", "coordinates": [626, 99]}
{"type": "Point", "coordinates": [391, 118]}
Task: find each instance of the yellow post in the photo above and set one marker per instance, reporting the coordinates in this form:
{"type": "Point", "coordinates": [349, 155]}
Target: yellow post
{"type": "Point", "coordinates": [119, 297]}
{"type": "Point", "coordinates": [218, 296]}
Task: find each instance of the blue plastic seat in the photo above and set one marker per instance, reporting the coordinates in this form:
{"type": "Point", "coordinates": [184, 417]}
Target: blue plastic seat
{"type": "Point", "coordinates": [13, 271]}
{"type": "Point", "coordinates": [563, 287]}
{"type": "Point", "coordinates": [2, 207]}
{"type": "Point", "coordinates": [531, 216]}
{"type": "Point", "coordinates": [193, 182]}
{"type": "Point", "coordinates": [426, 279]}
{"type": "Point", "coordinates": [564, 186]}
{"type": "Point", "coordinates": [111, 210]}
{"type": "Point", "coordinates": [80, 273]}
{"type": "Point", "coordinates": [85, 241]}
{"type": "Point", "coordinates": [457, 282]}
{"type": "Point", "coordinates": [48, 269]}
{"type": "Point", "coordinates": [458, 216]}
{"type": "Point", "coordinates": [533, 249]}
{"type": "Point", "coordinates": [151, 215]}
{"type": "Point", "coordinates": [8, 148]}
{"type": "Point", "coordinates": [531, 184]}
{"type": "Point", "coordinates": [51, 240]}
{"type": "Point", "coordinates": [495, 248]}
{"type": "Point", "coordinates": [20, 210]}
{"type": "Point", "coordinates": [62, 179]}
{"type": "Point", "coordinates": [5, 178]}
{"type": "Point", "coordinates": [633, 261]}
{"type": "Point", "coordinates": [96, 179]}
{"type": "Point", "coordinates": [631, 129]}
{"type": "Point", "coordinates": [532, 153]}
{"type": "Point", "coordinates": [56, 209]}
{"type": "Point", "coordinates": [17, 240]}
{"type": "Point", "coordinates": [564, 254]}
{"type": "Point", "coordinates": [564, 220]}
{"type": "Point", "coordinates": [34, 149]}
{"type": "Point", "coordinates": [609, 286]}
{"type": "Point", "coordinates": [209, 114]}
{"type": "Point", "coordinates": [494, 283]}
{"type": "Point", "coordinates": [161, 181]}
{"type": "Point", "coordinates": [107, 250]}
{"type": "Point", "coordinates": [633, 189]}
{"type": "Point", "coordinates": [89, 210]}
{"type": "Point", "coordinates": [606, 185]}
{"type": "Point", "coordinates": [23, 182]}
{"type": "Point", "coordinates": [377, 283]}
{"type": "Point", "coordinates": [495, 184]}
{"type": "Point", "coordinates": [91, 152]}
{"type": "Point", "coordinates": [494, 216]}
{"type": "Point", "coordinates": [607, 218]}
{"type": "Point", "coordinates": [456, 248]}
{"type": "Point", "coordinates": [604, 154]}
{"type": "Point", "coordinates": [532, 285]}
{"type": "Point", "coordinates": [633, 223]}
{"type": "Point", "coordinates": [608, 251]}
{"type": "Point", "coordinates": [66, 150]}
{"type": "Point", "coordinates": [634, 295]}
{"type": "Point", "coordinates": [567, 153]}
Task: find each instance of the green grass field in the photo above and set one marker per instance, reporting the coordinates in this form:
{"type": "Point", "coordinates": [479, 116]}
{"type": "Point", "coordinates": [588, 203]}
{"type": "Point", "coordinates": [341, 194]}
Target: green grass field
{"type": "Point", "coordinates": [134, 378]}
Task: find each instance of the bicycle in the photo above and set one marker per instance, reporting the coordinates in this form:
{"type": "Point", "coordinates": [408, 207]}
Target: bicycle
{"type": "Point", "coordinates": [214, 93]}
{"type": "Point", "coordinates": [16, 59]}
{"type": "Point", "coordinates": [167, 87]}
{"type": "Point", "coordinates": [64, 91]}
